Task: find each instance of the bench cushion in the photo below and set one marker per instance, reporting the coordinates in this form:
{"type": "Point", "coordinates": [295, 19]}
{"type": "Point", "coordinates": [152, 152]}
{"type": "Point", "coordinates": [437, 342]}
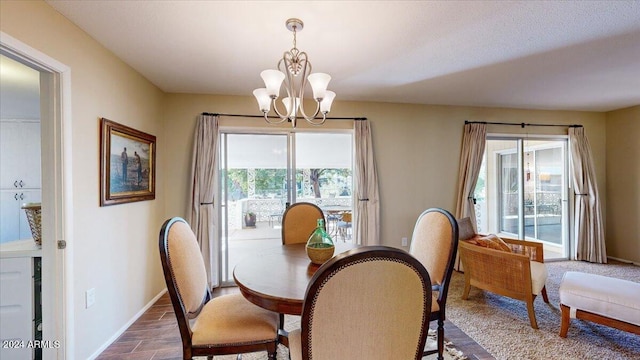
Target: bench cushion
{"type": "Point", "coordinates": [602, 295]}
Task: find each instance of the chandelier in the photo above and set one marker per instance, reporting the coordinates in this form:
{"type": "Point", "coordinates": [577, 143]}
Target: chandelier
{"type": "Point", "coordinates": [295, 70]}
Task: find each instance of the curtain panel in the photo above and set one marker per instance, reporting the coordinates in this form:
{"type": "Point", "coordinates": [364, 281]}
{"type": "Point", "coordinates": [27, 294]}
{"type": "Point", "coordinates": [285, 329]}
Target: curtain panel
{"type": "Point", "coordinates": [367, 215]}
{"type": "Point", "coordinates": [474, 140]}
{"type": "Point", "coordinates": [589, 228]}
{"type": "Point", "coordinates": [203, 185]}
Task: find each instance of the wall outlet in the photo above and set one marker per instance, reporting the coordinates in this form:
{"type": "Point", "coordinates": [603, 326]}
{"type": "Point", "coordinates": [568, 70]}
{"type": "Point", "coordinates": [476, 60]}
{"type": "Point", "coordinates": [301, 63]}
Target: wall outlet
{"type": "Point", "coordinates": [90, 297]}
{"type": "Point", "coordinates": [405, 241]}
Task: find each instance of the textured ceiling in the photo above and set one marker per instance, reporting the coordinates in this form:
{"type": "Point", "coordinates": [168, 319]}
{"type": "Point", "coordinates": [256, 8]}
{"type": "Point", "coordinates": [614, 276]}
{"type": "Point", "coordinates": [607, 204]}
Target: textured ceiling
{"type": "Point", "coordinates": [567, 55]}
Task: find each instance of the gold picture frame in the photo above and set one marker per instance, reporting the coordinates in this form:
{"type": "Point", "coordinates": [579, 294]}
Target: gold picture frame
{"type": "Point", "coordinates": [127, 164]}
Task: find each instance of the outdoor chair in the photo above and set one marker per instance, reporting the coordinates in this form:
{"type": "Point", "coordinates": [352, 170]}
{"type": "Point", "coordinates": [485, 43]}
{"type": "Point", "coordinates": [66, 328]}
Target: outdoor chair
{"type": "Point", "coordinates": [434, 243]}
{"type": "Point", "coordinates": [228, 324]}
{"type": "Point", "coordinates": [344, 226]}
{"type": "Point", "coordinates": [367, 303]}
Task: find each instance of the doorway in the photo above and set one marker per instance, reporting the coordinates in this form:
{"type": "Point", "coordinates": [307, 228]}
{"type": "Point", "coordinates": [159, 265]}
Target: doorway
{"type": "Point", "coordinates": [522, 191]}
{"type": "Point", "coordinates": [57, 221]}
{"type": "Point", "coordinates": [263, 173]}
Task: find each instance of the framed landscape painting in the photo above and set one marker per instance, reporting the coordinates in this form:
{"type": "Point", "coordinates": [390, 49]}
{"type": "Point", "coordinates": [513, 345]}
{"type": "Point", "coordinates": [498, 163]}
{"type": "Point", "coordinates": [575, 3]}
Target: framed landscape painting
{"type": "Point", "coordinates": [127, 164]}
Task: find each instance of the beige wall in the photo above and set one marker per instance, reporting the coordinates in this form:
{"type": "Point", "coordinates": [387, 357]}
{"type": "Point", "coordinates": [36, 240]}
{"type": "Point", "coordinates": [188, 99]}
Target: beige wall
{"type": "Point", "coordinates": [623, 184]}
{"type": "Point", "coordinates": [115, 247]}
{"type": "Point", "coordinates": [417, 148]}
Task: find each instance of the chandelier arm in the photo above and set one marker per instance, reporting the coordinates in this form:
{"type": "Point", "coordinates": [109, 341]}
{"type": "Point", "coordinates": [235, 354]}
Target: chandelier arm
{"type": "Point", "coordinates": [314, 120]}
{"type": "Point", "coordinates": [306, 71]}
{"type": "Point", "coordinates": [275, 122]}
{"type": "Point", "coordinates": [280, 115]}
{"type": "Point", "coordinates": [313, 117]}
{"type": "Point", "coordinates": [288, 61]}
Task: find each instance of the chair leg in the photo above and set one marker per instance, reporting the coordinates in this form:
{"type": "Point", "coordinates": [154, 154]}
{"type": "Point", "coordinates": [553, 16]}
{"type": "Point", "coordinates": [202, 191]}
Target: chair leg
{"type": "Point", "coordinates": [532, 314]}
{"type": "Point", "coordinates": [440, 338]}
{"type": "Point", "coordinates": [544, 294]}
{"type": "Point", "coordinates": [272, 349]}
{"type": "Point", "coordinates": [281, 322]}
{"type": "Point", "coordinates": [467, 287]}
{"type": "Point", "coordinates": [566, 319]}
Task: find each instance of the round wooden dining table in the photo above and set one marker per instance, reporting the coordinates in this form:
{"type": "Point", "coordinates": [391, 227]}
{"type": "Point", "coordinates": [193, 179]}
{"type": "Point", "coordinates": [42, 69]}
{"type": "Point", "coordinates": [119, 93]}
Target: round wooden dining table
{"type": "Point", "coordinates": [276, 279]}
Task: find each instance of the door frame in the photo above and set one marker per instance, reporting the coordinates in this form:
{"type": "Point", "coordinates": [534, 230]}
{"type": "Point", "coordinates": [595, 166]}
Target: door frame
{"type": "Point", "coordinates": [57, 196]}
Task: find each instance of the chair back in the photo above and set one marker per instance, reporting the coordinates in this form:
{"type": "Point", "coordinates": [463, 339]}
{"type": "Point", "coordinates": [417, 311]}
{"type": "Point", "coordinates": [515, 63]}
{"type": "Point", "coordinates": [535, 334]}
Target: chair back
{"type": "Point", "coordinates": [435, 243]}
{"type": "Point", "coordinates": [298, 222]}
{"type": "Point", "coordinates": [346, 217]}
{"type": "Point", "coordinates": [376, 299]}
{"type": "Point", "coordinates": [184, 272]}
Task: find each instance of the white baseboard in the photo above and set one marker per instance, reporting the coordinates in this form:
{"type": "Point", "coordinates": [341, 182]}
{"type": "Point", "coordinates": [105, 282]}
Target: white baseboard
{"type": "Point", "coordinates": [623, 260]}
{"type": "Point", "coordinates": [126, 326]}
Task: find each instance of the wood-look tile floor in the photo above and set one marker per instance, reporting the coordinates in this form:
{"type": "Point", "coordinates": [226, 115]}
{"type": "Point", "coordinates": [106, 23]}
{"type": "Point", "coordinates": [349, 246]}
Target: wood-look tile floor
{"type": "Point", "coordinates": [155, 336]}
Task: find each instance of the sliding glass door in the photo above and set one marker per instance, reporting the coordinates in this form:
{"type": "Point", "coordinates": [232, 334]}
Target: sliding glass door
{"type": "Point", "coordinates": [263, 173]}
{"type": "Point", "coordinates": [522, 192]}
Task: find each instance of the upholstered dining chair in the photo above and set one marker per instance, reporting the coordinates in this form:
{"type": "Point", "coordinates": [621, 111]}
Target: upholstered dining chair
{"type": "Point", "coordinates": [228, 324]}
{"type": "Point", "coordinates": [369, 303]}
{"type": "Point", "coordinates": [298, 222]}
{"type": "Point", "coordinates": [435, 243]}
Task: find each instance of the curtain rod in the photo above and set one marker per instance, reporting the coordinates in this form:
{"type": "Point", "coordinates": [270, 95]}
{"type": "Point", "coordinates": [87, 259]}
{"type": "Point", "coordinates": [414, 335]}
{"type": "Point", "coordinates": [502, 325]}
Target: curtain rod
{"type": "Point", "coordinates": [519, 124]}
{"type": "Point", "coordinates": [275, 117]}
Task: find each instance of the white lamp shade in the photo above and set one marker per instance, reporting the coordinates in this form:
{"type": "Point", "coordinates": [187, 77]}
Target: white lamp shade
{"type": "Point", "coordinates": [325, 105]}
{"type": "Point", "coordinates": [287, 104]}
{"type": "Point", "coordinates": [264, 101]}
{"type": "Point", "coordinates": [272, 81]}
{"type": "Point", "coordinates": [319, 83]}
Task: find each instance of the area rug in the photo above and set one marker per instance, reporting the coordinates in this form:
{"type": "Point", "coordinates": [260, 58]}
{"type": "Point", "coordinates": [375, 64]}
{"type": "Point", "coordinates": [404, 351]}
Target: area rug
{"type": "Point", "coordinates": [291, 322]}
{"type": "Point", "coordinates": [501, 325]}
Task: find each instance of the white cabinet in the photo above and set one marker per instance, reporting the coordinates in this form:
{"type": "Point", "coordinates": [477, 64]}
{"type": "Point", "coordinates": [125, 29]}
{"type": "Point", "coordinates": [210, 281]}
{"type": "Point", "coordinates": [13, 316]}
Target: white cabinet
{"type": "Point", "coordinates": [16, 307]}
{"type": "Point", "coordinates": [13, 219]}
{"type": "Point", "coordinates": [20, 155]}
{"type": "Point", "coordinates": [20, 175]}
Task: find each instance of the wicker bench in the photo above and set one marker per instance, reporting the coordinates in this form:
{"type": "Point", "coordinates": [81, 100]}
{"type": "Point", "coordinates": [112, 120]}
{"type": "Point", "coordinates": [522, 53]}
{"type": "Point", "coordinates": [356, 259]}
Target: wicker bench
{"type": "Point", "coordinates": [600, 299]}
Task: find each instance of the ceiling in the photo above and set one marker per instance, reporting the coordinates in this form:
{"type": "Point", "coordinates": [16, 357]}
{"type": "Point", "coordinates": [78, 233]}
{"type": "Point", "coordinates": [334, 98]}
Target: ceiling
{"type": "Point", "coordinates": [556, 55]}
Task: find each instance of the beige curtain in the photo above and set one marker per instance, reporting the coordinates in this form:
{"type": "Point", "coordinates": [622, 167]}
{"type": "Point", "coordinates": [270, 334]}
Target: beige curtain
{"type": "Point", "coordinates": [589, 228]}
{"type": "Point", "coordinates": [366, 228]}
{"type": "Point", "coordinates": [203, 172]}
{"type": "Point", "coordinates": [474, 140]}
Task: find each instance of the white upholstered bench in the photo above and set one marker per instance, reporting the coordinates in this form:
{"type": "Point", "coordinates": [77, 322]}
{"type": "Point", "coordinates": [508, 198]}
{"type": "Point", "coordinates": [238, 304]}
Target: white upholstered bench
{"type": "Point", "coordinates": [600, 299]}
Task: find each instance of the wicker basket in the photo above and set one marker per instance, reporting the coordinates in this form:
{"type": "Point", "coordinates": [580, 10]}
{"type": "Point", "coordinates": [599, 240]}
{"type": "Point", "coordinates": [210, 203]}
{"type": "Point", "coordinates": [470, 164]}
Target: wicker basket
{"type": "Point", "coordinates": [34, 216]}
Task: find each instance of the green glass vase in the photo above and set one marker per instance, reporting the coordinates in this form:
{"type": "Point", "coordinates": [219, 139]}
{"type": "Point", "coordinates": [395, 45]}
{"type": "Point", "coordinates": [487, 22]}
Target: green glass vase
{"type": "Point", "coordinates": [320, 247]}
